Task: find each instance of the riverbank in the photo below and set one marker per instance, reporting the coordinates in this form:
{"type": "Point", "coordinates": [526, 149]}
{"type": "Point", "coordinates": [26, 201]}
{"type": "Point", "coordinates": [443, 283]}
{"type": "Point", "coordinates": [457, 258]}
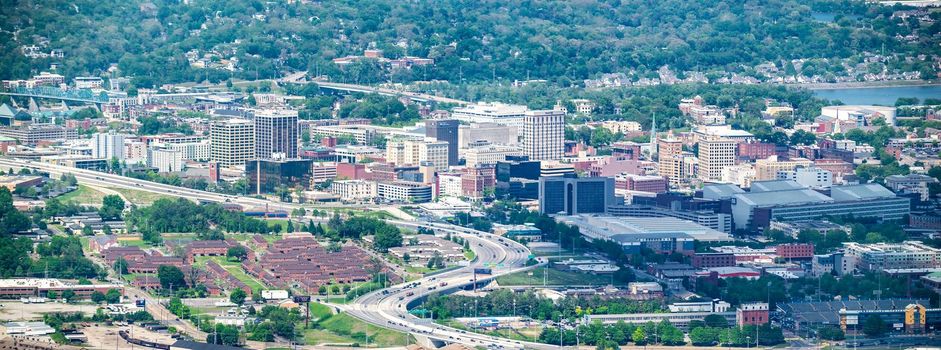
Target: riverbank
{"type": "Point", "coordinates": [864, 84]}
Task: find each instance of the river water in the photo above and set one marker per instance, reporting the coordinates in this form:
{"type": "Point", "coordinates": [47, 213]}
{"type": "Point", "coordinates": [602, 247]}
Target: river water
{"type": "Point", "coordinates": [885, 96]}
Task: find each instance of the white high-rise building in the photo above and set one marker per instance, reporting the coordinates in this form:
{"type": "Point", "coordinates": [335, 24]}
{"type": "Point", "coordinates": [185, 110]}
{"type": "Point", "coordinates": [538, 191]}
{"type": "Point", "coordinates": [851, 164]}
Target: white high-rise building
{"type": "Point", "coordinates": [416, 152]}
{"type": "Point", "coordinates": [544, 134]}
{"type": "Point", "coordinates": [232, 142]}
{"type": "Point", "coordinates": [107, 145]}
{"type": "Point", "coordinates": [715, 155]}
{"type": "Point", "coordinates": [276, 133]}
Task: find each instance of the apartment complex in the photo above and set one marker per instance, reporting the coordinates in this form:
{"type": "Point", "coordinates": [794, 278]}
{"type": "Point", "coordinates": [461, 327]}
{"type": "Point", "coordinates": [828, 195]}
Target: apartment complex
{"type": "Point", "coordinates": [107, 145]}
{"type": "Point", "coordinates": [768, 168]}
{"type": "Point", "coordinates": [889, 257]}
{"type": "Point", "coordinates": [670, 160]}
{"type": "Point", "coordinates": [416, 152]}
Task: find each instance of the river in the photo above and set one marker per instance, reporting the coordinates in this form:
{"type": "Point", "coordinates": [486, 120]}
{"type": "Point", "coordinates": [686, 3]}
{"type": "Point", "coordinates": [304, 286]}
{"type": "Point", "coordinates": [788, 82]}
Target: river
{"type": "Point", "coordinates": [885, 96]}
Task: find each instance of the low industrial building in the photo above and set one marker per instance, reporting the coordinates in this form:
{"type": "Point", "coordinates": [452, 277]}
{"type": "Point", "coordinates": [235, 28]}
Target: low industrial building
{"type": "Point", "coordinates": [663, 235]}
{"type": "Point", "coordinates": [785, 200]}
{"type": "Point", "coordinates": [680, 315]}
{"type": "Point", "coordinates": [528, 232]}
{"type": "Point", "coordinates": [14, 288]}
{"type": "Point", "coordinates": [421, 248]}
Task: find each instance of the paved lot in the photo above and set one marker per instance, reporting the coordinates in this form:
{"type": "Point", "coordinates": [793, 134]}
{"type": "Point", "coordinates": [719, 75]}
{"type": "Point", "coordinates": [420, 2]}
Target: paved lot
{"type": "Point", "coordinates": [17, 311]}
{"type": "Point", "coordinates": [104, 337]}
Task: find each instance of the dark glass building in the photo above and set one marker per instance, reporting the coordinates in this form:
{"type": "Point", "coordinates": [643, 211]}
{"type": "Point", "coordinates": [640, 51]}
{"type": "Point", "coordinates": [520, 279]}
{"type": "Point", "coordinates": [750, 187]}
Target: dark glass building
{"type": "Point", "coordinates": [575, 195]}
{"type": "Point", "coordinates": [445, 130]}
{"type": "Point", "coordinates": [264, 176]}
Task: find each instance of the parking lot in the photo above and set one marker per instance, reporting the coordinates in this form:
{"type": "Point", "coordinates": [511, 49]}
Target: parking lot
{"type": "Point", "coordinates": [17, 311]}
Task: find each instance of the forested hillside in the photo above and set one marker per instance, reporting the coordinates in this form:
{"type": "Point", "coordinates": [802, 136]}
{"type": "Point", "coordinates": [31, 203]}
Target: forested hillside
{"type": "Point", "coordinates": [561, 41]}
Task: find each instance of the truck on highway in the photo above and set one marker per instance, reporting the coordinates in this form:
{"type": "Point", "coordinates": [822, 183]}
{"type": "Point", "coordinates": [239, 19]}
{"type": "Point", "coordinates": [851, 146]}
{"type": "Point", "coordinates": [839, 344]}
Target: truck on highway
{"type": "Point", "coordinates": [409, 294]}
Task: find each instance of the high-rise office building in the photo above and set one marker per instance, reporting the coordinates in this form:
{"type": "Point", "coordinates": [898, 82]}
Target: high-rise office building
{"type": "Point", "coordinates": [275, 134]}
{"type": "Point", "coordinates": [715, 155]}
{"type": "Point", "coordinates": [232, 142]}
{"type": "Point", "coordinates": [575, 195]}
{"type": "Point", "coordinates": [445, 130]}
{"type": "Point", "coordinates": [107, 145]}
{"type": "Point", "coordinates": [543, 134]}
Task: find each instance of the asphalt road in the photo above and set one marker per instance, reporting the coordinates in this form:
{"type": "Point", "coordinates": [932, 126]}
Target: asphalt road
{"type": "Point", "coordinates": [389, 308]}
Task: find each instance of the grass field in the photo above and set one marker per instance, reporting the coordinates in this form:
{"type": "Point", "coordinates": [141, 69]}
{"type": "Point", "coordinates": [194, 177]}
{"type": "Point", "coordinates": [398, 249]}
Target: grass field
{"type": "Point", "coordinates": [343, 326]}
{"type": "Point", "coordinates": [553, 277]}
{"type": "Point", "coordinates": [281, 223]}
{"type": "Point", "coordinates": [133, 242]}
{"type": "Point", "coordinates": [141, 198]}
{"type": "Point", "coordinates": [319, 311]}
{"type": "Point", "coordinates": [233, 267]}
{"type": "Point", "coordinates": [83, 195]}
{"type": "Point", "coordinates": [239, 273]}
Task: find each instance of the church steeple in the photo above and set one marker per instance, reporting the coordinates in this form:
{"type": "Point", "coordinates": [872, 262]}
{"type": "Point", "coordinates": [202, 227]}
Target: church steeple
{"type": "Point", "coordinates": [653, 137]}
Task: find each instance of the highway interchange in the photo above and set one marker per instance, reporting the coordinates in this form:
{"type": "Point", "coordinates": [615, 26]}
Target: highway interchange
{"type": "Point", "coordinates": [385, 308]}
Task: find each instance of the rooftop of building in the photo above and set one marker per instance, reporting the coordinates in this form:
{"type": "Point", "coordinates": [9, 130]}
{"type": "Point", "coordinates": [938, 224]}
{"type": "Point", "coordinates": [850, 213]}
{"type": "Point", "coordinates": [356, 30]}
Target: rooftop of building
{"type": "Point", "coordinates": [722, 131]}
{"type": "Point", "coordinates": [774, 185]}
{"type": "Point", "coordinates": [45, 283]}
{"type": "Point", "coordinates": [628, 228]}
{"type": "Point", "coordinates": [719, 191]}
{"type": "Point", "coordinates": [494, 108]}
{"type": "Point", "coordinates": [889, 248]}
{"type": "Point", "coordinates": [860, 192]}
{"type": "Point", "coordinates": [783, 197]}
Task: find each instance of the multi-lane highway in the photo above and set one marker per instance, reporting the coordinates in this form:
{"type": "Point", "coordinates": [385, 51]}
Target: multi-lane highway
{"type": "Point", "coordinates": [386, 308]}
{"type": "Point", "coordinates": [389, 307]}
{"type": "Point", "coordinates": [100, 179]}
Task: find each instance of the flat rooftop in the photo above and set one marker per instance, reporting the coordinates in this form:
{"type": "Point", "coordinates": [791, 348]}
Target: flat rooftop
{"type": "Point", "coordinates": [612, 227]}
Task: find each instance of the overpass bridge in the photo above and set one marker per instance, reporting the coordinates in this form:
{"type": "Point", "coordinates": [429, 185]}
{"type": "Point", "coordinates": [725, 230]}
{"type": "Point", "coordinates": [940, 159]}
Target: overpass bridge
{"type": "Point", "coordinates": [54, 93]}
{"type": "Point", "coordinates": [414, 96]}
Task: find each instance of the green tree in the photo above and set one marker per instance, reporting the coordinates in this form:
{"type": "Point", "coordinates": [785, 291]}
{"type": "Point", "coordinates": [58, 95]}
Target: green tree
{"type": "Point", "coordinates": [704, 336]}
{"type": "Point", "coordinates": [874, 326]}
{"type": "Point", "coordinates": [11, 220]}
{"type": "Point", "coordinates": [97, 297]}
{"type": "Point", "coordinates": [716, 321]}
{"type": "Point", "coordinates": [113, 296]}
{"type": "Point", "coordinates": [831, 333]}
{"type": "Point", "coordinates": [387, 236]}
{"type": "Point", "coordinates": [639, 336]}
{"type": "Point", "coordinates": [171, 277]}
{"type": "Point", "coordinates": [237, 252]}
{"type": "Point", "coordinates": [111, 207]}
{"type": "Point", "coordinates": [237, 297]}
{"type": "Point", "coordinates": [68, 295]}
